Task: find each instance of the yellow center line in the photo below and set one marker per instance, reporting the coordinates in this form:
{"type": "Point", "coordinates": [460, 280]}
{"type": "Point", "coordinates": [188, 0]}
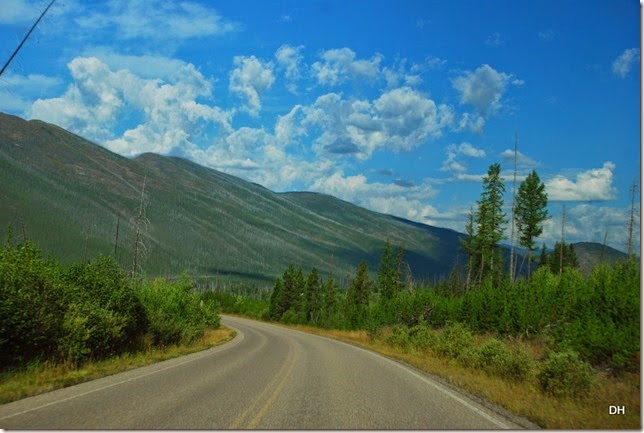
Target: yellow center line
{"type": "Point", "coordinates": [277, 384]}
{"type": "Point", "coordinates": [260, 415]}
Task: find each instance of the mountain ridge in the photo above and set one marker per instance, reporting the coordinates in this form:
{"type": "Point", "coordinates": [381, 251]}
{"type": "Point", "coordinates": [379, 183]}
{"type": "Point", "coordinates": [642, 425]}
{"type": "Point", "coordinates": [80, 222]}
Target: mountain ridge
{"type": "Point", "coordinates": [69, 195]}
{"type": "Point", "coordinates": [77, 200]}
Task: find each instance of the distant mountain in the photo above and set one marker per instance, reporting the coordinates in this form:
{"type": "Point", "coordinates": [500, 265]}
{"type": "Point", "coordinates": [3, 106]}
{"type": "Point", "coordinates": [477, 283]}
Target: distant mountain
{"type": "Point", "coordinates": [591, 253]}
{"type": "Point", "coordinates": [70, 195]}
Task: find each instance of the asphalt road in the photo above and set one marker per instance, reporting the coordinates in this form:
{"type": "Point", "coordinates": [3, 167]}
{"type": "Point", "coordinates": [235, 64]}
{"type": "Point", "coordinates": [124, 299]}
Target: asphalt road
{"type": "Point", "coordinates": [268, 377]}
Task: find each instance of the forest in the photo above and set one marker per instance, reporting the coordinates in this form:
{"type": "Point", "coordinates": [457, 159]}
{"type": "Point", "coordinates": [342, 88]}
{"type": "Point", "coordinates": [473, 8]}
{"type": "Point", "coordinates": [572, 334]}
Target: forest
{"type": "Point", "coordinates": [589, 322]}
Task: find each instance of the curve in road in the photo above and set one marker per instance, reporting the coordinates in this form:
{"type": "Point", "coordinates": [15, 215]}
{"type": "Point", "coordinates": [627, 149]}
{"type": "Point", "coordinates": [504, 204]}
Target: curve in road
{"type": "Point", "coordinates": [267, 377]}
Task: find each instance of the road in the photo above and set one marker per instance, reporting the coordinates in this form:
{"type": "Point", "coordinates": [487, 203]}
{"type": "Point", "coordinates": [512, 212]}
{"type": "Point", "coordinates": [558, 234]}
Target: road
{"type": "Point", "coordinates": [267, 377]}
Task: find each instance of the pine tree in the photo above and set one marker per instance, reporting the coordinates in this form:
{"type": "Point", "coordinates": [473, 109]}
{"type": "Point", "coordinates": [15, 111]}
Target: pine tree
{"type": "Point", "coordinates": [357, 302]}
{"type": "Point", "coordinates": [293, 289]}
{"type": "Point", "coordinates": [530, 212]}
{"type": "Point", "coordinates": [490, 220]}
{"type": "Point", "coordinates": [313, 297]}
{"type": "Point", "coordinates": [388, 278]}
{"type": "Point", "coordinates": [329, 301]}
{"type": "Point", "coordinates": [276, 303]}
{"type": "Point", "coordinates": [469, 247]}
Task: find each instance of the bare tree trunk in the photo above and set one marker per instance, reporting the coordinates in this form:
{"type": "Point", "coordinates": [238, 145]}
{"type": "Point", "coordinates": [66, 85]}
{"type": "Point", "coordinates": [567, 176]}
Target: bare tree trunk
{"type": "Point", "coordinates": [629, 245]}
{"type": "Point", "coordinates": [514, 187]}
{"type": "Point", "coordinates": [138, 245]}
{"type": "Point", "coordinates": [563, 223]}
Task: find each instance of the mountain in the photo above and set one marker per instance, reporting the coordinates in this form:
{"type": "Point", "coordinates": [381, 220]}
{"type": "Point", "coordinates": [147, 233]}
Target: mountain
{"type": "Point", "coordinates": [78, 200]}
{"type": "Point", "coordinates": [591, 253]}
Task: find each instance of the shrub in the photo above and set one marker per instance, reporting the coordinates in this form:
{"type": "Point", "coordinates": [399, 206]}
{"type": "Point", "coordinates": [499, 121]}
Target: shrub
{"type": "Point", "coordinates": [455, 340]}
{"type": "Point", "coordinates": [493, 356]}
{"type": "Point", "coordinates": [563, 374]}
{"type": "Point", "coordinates": [421, 337]}
{"type": "Point", "coordinates": [31, 307]}
{"type": "Point", "coordinates": [399, 337]}
{"type": "Point", "coordinates": [174, 311]}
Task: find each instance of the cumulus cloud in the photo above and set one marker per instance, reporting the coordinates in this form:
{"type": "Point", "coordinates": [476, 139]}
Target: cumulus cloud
{"type": "Point", "coordinates": [340, 65]}
{"type": "Point", "coordinates": [98, 98]}
{"type": "Point", "coordinates": [290, 60]}
{"type": "Point", "coordinates": [588, 223]}
{"type": "Point", "coordinates": [523, 161]}
{"type": "Point", "coordinates": [406, 201]}
{"type": "Point", "coordinates": [454, 163]}
{"type": "Point", "coordinates": [156, 20]}
{"type": "Point", "coordinates": [250, 79]}
{"type": "Point", "coordinates": [400, 119]}
{"type": "Point", "coordinates": [592, 185]}
{"type": "Point", "coordinates": [622, 65]}
{"type": "Point", "coordinates": [483, 88]}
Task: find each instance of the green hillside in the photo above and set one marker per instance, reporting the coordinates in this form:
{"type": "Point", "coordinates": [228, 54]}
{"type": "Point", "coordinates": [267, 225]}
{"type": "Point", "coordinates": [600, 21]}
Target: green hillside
{"type": "Point", "coordinates": [69, 195]}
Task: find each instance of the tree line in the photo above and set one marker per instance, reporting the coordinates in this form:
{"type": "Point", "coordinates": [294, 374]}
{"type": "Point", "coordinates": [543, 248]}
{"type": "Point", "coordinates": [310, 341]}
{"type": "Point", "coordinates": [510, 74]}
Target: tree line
{"type": "Point", "coordinates": [596, 316]}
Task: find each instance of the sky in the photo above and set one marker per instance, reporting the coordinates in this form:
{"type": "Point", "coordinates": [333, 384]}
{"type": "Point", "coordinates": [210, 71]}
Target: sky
{"type": "Point", "coordinates": [397, 106]}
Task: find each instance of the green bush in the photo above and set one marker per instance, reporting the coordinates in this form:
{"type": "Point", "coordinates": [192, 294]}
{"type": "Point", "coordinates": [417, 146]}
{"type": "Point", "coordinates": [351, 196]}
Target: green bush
{"type": "Point", "coordinates": [454, 341]}
{"type": "Point", "coordinates": [563, 374]}
{"type": "Point", "coordinates": [104, 315]}
{"type": "Point", "coordinates": [495, 358]}
{"type": "Point", "coordinates": [175, 311]}
{"type": "Point", "coordinates": [421, 337]}
{"type": "Point", "coordinates": [31, 305]}
{"type": "Point", "coordinates": [399, 337]}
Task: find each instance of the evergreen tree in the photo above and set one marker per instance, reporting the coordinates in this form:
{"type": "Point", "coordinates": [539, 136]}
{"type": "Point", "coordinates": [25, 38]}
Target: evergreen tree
{"type": "Point", "coordinates": [293, 288]}
{"type": "Point", "coordinates": [276, 303]}
{"type": "Point", "coordinates": [313, 297]}
{"type": "Point", "coordinates": [469, 247]}
{"type": "Point", "coordinates": [562, 256]}
{"type": "Point", "coordinates": [329, 301]}
{"type": "Point", "coordinates": [357, 302]}
{"type": "Point", "coordinates": [388, 278]}
{"type": "Point", "coordinates": [530, 212]}
{"type": "Point", "coordinates": [490, 220]}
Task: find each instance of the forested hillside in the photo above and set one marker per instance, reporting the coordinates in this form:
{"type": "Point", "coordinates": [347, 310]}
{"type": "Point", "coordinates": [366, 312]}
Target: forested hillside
{"type": "Point", "coordinates": [78, 200]}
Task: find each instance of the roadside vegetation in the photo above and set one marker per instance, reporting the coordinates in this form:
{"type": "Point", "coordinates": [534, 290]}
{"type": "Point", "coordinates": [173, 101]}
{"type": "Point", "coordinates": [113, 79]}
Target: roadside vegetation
{"type": "Point", "coordinates": [539, 342]}
{"type": "Point", "coordinates": [68, 323]}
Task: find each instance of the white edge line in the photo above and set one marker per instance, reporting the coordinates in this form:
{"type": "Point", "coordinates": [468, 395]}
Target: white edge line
{"type": "Point", "coordinates": [238, 338]}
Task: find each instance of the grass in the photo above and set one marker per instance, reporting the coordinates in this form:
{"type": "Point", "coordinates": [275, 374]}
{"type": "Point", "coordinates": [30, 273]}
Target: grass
{"type": "Point", "coordinates": [43, 377]}
{"type": "Point", "coordinates": [523, 399]}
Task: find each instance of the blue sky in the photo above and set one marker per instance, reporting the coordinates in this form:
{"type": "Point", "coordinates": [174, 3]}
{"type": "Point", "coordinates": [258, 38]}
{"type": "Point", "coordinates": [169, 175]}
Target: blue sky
{"type": "Point", "coordinates": [397, 106]}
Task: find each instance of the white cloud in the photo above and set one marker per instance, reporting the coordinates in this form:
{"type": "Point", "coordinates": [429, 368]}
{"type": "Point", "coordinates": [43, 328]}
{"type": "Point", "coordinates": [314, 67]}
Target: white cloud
{"type": "Point", "coordinates": [290, 59]}
{"type": "Point", "coordinates": [402, 201]}
{"type": "Point", "coordinates": [474, 123]}
{"type": "Point", "coordinates": [588, 223]}
{"type": "Point", "coordinates": [157, 20]}
{"type": "Point", "coordinates": [522, 160]}
{"type": "Point", "coordinates": [592, 185]}
{"type": "Point", "coordinates": [340, 65]}
{"type": "Point", "coordinates": [622, 65]}
{"type": "Point", "coordinates": [250, 79]}
{"type": "Point", "coordinates": [482, 88]}
{"type": "Point", "coordinates": [400, 119]}
{"type": "Point", "coordinates": [166, 113]}
{"type": "Point", "coordinates": [453, 163]}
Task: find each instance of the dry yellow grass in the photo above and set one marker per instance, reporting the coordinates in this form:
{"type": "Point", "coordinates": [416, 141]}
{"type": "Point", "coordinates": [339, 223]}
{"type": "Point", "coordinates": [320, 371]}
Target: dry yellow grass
{"type": "Point", "coordinates": [523, 399]}
{"type": "Point", "coordinates": [40, 378]}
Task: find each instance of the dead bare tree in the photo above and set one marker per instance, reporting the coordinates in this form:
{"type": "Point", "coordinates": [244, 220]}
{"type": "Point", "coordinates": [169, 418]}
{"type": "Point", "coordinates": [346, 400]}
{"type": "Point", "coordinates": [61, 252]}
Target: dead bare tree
{"type": "Point", "coordinates": [141, 222]}
{"type": "Point", "coordinates": [631, 223]}
{"type": "Point", "coordinates": [512, 222]}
